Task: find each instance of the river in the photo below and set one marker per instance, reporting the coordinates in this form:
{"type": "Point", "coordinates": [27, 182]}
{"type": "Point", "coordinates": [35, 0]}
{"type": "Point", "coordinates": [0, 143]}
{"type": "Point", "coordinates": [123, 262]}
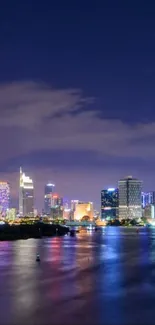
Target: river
{"type": "Point", "coordinates": [103, 277]}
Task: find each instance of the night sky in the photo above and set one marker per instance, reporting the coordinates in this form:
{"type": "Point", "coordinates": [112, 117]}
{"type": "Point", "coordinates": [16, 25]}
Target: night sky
{"type": "Point", "coordinates": [77, 94]}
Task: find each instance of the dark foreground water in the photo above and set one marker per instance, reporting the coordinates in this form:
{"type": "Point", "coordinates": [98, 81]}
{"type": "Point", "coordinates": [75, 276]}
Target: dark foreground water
{"type": "Point", "coordinates": [107, 277]}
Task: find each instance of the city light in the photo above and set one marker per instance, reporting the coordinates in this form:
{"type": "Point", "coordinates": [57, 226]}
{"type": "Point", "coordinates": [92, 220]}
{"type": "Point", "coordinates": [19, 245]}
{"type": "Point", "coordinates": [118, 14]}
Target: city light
{"type": "Point", "coordinates": [114, 204]}
{"type": "Point", "coordinates": [4, 196]}
{"type": "Point", "coordinates": [26, 195]}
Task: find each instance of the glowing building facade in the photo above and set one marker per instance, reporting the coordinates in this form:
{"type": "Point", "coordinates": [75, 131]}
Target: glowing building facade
{"type": "Point", "coordinates": [148, 198]}
{"type": "Point", "coordinates": [67, 214]}
{"type": "Point", "coordinates": [26, 195]}
{"type": "Point", "coordinates": [149, 211]}
{"type": "Point", "coordinates": [130, 198]}
{"type": "Point", "coordinates": [73, 207]}
{"type": "Point", "coordinates": [56, 206]}
{"type": "Point", "coordinates": [48, 198]}
{"type": "Point", "coordinates": [109, 203]}
{"type": "Point", "coordinates": [4, 196]}
{"type": "Point", "coordinates": [84, 210]}
{"type": "Point", "coordinates": [11, 214]}
{"type": "Point", "coordinates": [74, 204]}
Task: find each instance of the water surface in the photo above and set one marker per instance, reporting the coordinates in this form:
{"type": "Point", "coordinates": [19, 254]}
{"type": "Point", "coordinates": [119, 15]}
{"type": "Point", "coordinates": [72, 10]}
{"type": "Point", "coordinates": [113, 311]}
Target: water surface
{"type": "Point", "coordinates": [104, 277]}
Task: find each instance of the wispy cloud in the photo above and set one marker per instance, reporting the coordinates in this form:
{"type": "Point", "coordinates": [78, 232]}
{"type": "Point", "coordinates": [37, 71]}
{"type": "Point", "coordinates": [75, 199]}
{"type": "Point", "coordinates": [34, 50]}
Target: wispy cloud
{"type": "Point", "coordinates": [38, 117]}
{"type": "Point", "coordinates": [28, 104]}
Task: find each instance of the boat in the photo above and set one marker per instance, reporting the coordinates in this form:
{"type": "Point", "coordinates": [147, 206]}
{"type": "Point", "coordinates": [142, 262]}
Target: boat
{"type": "Point", "coordinates": [38, 258]}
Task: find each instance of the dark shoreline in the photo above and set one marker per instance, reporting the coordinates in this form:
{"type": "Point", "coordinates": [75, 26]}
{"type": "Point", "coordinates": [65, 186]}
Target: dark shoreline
{"type": "Point", "coordinates": [38, 230]}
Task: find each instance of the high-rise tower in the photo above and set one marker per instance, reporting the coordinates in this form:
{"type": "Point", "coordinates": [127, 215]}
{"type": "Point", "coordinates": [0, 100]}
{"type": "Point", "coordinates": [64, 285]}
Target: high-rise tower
{"type": "Point", "coordinates": [56, 206]}
{"type": "Point", "coordinates": [148, 198]}
{"type": "Point", "coordinates": [48, 198]}
{"type": "Point", "coordinates": [4, 196]}
{"type": "Point", "coordinates": [130, 198]}
{"type": "Point", "coordinates": [26, 195]}
{"type": "Point", "coordinates": [109, 203]}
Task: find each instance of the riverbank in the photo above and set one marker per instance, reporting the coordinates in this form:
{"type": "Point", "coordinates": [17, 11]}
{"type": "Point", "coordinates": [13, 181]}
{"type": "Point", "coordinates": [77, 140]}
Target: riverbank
{"type": "Point", "coordinates": [14, 232]}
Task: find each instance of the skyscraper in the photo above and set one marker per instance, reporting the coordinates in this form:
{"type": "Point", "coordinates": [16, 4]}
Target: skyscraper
{"type": "Point", "coordinates": [73, 204]}
{"type": "Point", "coordinates": [73, 207]}
{"type": "Point", "coordinates": [109, 203]}
{"type": "Point", "coordinates": [56, 206]}
{"type": "Point", "coordinates": [56, 200]}
{"type": "Point", "coordinates": [130, 198]}
{"type": "Point", "coordinates": [4, 196]}
{"type": "Point", "coordinates": [26, 195]}
{"type": "Point", "coordinates": [48, 198]}
{"type": "Point", "coordinates": [148, 198]}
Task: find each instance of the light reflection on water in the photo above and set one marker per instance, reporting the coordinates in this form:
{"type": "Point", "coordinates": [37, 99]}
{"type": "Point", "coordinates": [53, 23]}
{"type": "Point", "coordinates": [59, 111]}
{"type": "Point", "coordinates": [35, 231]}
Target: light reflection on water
{"type": "Point", "coordinates": [94, 278]}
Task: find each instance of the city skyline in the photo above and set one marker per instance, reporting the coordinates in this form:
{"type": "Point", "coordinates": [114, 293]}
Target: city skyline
{"type": "Point", "coordinates": [126, 201]}
{"type": "Point", "coordinates": [41, 207]}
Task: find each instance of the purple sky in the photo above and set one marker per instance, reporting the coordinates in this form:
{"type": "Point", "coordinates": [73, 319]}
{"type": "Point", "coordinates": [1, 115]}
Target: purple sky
{"type": "Point", "coordinates": [77, 97]}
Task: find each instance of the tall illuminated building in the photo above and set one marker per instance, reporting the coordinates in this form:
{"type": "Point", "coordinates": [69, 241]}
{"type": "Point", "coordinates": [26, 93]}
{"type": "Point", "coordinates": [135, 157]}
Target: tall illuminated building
{"type": "Point", "coordinates": [73, 207]}
{"type": "Point", "coordinates": [148, 198]}
{"type": "Point", "coordinates": [66, 204]}
{"type": "Point", "coordinates": [109, 203]}
{"type": "Point", "coordinates": [130, 198]}
{"type": "Point", "coordinates": [56, 200]}
{"type": "Point", "coordinates": [56, 206]}
{"type": "Point", "coordinates": [26, 195]}
{"type": "Point", "coordinates": [4, 196]}
{"type": "Point", "coordinates": [48, 198]}
{"type": "Point", "coordinates": [74, 204]}
{"type": "Point", "coordinates": [67, 213]}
